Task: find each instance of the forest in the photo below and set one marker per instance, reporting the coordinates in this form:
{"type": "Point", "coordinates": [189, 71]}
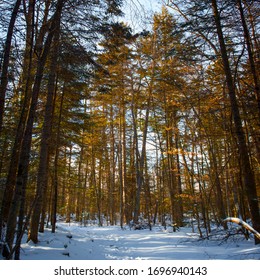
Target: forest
{"type": "Point", "coordinates": [101, 122]}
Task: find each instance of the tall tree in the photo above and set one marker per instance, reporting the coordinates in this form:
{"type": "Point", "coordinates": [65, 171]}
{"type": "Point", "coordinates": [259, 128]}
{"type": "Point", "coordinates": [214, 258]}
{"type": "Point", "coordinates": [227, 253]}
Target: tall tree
{"type": "Point", "coordinates": [169, 80]}
{"type": "Point", "coordinates": [42, 178]}
{"type": "Point", "coordinates": [22, 175]}
{"type": "Point", "coordinates": [26, 82]}
{"type": "Point", "coordinates": [248, 175]}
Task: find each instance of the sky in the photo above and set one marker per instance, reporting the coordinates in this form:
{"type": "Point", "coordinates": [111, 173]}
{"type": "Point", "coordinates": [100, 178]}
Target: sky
{"type": "Point", "coordinates": [138, 13]}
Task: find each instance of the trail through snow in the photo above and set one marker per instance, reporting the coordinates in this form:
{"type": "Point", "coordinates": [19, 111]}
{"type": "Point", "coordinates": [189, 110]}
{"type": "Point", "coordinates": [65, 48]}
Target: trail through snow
{"type": "Point", "coordinates": [75, 242]}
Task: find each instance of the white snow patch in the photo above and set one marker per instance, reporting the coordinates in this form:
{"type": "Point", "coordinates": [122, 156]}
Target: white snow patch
{"type": "Point", "coordinates": [113, 243]}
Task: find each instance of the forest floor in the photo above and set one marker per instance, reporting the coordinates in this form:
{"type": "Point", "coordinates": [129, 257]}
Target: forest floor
{"type": "Point", "coordinates": [76, 242]}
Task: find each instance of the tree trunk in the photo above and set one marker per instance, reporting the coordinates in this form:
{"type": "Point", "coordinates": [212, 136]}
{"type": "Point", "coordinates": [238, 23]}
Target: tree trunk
{"type": "Point", "coordinates": [248, 175]}
{"type": "Point", "coordinates": [56, 161]}
{"type": "Point", "coordinates": [221, 213]}
{"type": "Point", "coordinates": [250, 56]}
{"type": "Point", "coordinates": [122, 161]}
{"type": "Point", "coordinates": [112, 171]}
{"type": "Point", "coordinates": [25, 85]}
{"type": "Point", "coordinates": [139, 177]}
{"type": "Point", "coordinates": [140, 159]}
{"type": "Point", "coordinates": [42, 178]}
{"type": "Point", "coordinates": [6, 61]}
{"type": "Point", "coordinates": [70, 188]}
{"type": "Point", "coordinates": [179, 203]}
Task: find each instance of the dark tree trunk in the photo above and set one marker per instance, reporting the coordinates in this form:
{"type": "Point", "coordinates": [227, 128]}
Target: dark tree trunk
{"type": "Point", "coordinates": [42, 178]}
{"type": "Point", "coordinates": [8, 192]}
{"type": "Point", "coordinates": [6, 60]}
{"type": "Point", "coordinates": [56, 160]}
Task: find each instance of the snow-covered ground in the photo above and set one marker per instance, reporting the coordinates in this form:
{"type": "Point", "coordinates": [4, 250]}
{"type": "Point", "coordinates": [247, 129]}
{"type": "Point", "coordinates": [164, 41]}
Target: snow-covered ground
{"type": "Point", "coordinates": [75, 242]}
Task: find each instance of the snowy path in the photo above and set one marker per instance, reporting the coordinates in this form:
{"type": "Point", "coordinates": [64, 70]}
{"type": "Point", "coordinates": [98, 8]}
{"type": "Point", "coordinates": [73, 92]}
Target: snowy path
{"type": "Point", "coordinates": [112, 243]}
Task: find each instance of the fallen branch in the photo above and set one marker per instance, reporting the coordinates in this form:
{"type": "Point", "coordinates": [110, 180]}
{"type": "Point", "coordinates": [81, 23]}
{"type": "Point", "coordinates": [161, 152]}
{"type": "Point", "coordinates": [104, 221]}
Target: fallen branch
{"type": "Point", "coordinates": [243, 224]}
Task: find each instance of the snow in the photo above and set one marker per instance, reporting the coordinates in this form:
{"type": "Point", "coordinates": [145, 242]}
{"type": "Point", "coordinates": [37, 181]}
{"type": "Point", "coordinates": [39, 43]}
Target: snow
{"type": "Point", "coordinates": [76, 242]}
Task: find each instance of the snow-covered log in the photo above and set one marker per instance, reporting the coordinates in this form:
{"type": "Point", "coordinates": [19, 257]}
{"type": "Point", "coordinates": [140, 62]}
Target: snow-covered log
{"type": "Point", "coordinates": [243, 224]}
